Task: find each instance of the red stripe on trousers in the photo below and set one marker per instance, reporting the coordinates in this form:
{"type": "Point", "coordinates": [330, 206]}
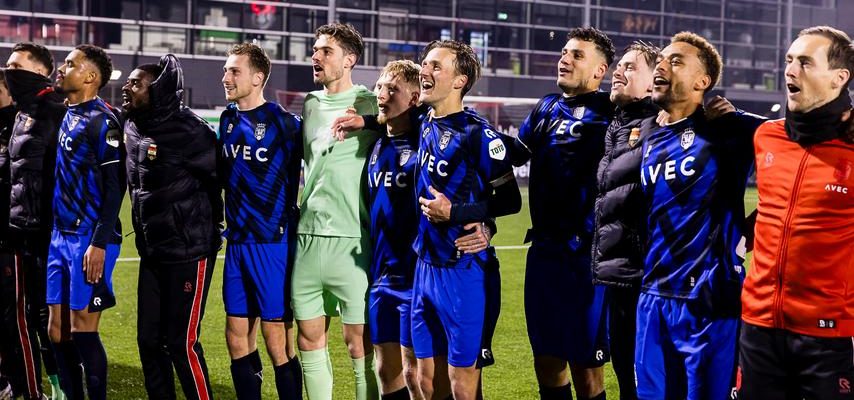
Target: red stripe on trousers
{"type": "Point", "coordinates": [23, 331]}
{"type": "Point", "coordinates": [192, 328]}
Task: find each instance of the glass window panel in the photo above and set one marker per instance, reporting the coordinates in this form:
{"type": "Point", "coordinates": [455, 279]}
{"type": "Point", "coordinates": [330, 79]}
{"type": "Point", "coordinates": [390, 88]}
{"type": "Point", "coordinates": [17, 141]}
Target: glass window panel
{"type": "Point", "coordinates": [552, 40]}
{"type": "Point", "coordinates": [313, 2]}
{"type": "Point", "coordinates": [264, 17]}
{"type": "Point", "coordinates": [428, 30]}
{"type": "Point", "coordinates": [552, 15]}
{"type": "Point", "coordinates": [157, 39]}
{"type": "Point", "coordinates": [212, 42]}
{"type": "Point", "coordinates": [505, 62]}
{"type": "Point", "coordinates": [299, 49]}
{"type": "Point", "coordinates": [544, 64]}
{"type": "Point", "coordinates": [362, 22]}
{"type": "Point", "coordinates": [214, 13]}
{"type": "Point", "coordinates": [272, 44]}
{"type": "Point", "coordinates": [509, 37]}
{"type": "Point", "coordinates": [166, 11]}
{"type": "Point", "coordinates": [752, 11]}
{"type": "Point", "coordinates": [394, 27]}
{"type": "Point", "coordinates": [630, 23]}
{"type": "Point", "coordinates": [305, 21]}
{"type": "Point", "coordinates": [397, 51]}
{"type": "Point", "coordinates": [748, 78]}
{"type": "Point", "coordinates": [510, 11]}
{"type": "Point", "coordinates": [751, 34]}
{"type": "Point", "coordinates": [69, 7]}
{"type": "Point", "coordinates": [56, 32]}
{"type": "Point", "coordinates": [710, 30]}
{"type": "Point", "coordinates": [17, 5]}
{"type": "Point", "coordinates": [476, 9]}
{"type": "Point", "coordinates": [14, 29]}
{"type": "Point", "coordinates": [128, 9]}
{"type": "Point", "coordinates": [114, 35]}
{"type": "Point", "coordinates": [706, 8]}
{"type": "Point", "coordinates": [653, 5]}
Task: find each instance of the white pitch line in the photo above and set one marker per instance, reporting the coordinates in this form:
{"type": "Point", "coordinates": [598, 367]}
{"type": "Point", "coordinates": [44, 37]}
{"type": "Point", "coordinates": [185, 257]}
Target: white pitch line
{"type": "Point", "coordinates": [220, 257]}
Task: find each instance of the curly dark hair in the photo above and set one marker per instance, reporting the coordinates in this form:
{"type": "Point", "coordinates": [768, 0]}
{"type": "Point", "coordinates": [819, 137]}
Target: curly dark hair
{"type": "Point", "coordinates": [101, 59]}
{"type": "Point", "coordinates": [38, 53]}
{"type": "Point", "coordinates": [345, 35]}
{"type": "Point", "coordinates": [465, 63]}
{"type": "Point", "coordinates": [600, 39]}
{"type": "Point", "coordinates": [709, 56]}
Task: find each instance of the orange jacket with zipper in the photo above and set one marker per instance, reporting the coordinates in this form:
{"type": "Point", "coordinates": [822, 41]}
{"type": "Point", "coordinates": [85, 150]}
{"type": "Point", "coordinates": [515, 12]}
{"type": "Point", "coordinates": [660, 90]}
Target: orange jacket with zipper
{"type": "Point", "coordinates": [802, 275]}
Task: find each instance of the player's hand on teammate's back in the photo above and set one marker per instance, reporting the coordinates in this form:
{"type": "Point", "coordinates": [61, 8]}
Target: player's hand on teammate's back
{"type": "Point", "coordinates": [475, 241]}
{"type": "Point", "coordinates": [348, 123]}
{"type": "Point", "coordinates": [438, 209]}
{"type": "Point", "coordinates": [717, 107]}
{"type": "Point", "coordinates": [93, 264]}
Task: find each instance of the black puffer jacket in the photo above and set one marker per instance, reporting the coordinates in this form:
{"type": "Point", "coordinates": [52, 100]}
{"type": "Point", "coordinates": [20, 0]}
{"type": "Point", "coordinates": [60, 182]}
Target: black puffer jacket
{"type": "Point", "coordinates": [618, 240]}
{"type": "Point", "coordinates": [7, 121]}
{"type": "Point", "coordinates": [177, 207]}
{"type": "Point", "coordinates": [32, 156]}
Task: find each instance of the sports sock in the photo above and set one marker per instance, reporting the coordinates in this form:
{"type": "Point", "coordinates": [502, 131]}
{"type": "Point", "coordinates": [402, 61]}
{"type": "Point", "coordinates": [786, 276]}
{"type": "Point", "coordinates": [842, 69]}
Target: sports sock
{"type": "Point", "coordinates": [600, 396]}
{"type": "Point", "coordinates": [317, 369]}
{"type": "Point", "coordinates": [401, 394]}
{"type": "Point", "coordinates": [365, 377]}
{"type": "Point", "coordinates": [247, 380]}
{"type": "Point", "coordinates": [289, 380]}
{"type": "Point", "coordinates": [556, 393]}
{"type": "Point", "coordinates": [94, 359]}
{"type": "Point", "coordinates": [55, 390]}
{"type": "Point", "coordinates": [255, 359]}
{"type": "Point", "coordinates": [68, 367]}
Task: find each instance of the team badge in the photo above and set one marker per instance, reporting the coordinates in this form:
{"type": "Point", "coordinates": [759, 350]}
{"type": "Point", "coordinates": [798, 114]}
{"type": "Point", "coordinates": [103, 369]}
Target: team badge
{"type": "Point", "coordinates": [29, 123]}
{"type": "Point", "coordinates": [578, 112]}
{"type": "Point", "coordinates": [230, 127]}
{"type": "Point", "coordinates": [687, 138]}
{"type": "Point", "coordinates": [373, 158]}
{"type": "Point", "coordinates": [843, 170]}
{"type": "Point", "coordinates": [404, 156]}
{"type": "Point", "coordinates": [112, 138]}
{"type": "Point", "coordinates": [73, 122]}
{"type": "Point", "coordinates": [152, 151]}
{"type": "Point", "coordinates": [443, 142]}
{"type": "Point", "coordinates": [260, 131]}
{"type": "Point", "coordinates": [634, 137]}
{"type": "Point", "coordinates": [424, 134]}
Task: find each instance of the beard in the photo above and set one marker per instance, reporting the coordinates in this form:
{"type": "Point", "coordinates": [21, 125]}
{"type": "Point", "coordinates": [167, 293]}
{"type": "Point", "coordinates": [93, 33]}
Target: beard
{"type": "Point", "coordinates": [382, 118]}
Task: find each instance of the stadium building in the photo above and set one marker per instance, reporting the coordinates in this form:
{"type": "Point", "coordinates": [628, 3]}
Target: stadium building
{"type": "Point", "coordinates": [517, 40]}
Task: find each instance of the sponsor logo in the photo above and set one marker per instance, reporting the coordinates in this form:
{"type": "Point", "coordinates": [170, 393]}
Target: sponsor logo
{"type": "Point", "coordinates": [444, 140]}
{"type": "Point", "coordinates": [112, 138]}
{"type": "Point", "coordinates": [424, 134]}
{"type": "Point", "coordinates": [827, 323]}
{"type": "Point", "coordinates": [247, 153]}
{"type": "Point", "coordinates": [65, 140]}
{"type": "Point", "coordinates": [574, 129]}
{"type": "Point", "coordinates": [440, 166]}
{"type": "Point", "coordinates": [486, 354]}
{"type": "Point", "coordinates": [687, 138]}
{"type": "Point", "coordinates": [260, 131]}
{"type": "Point", "coordinates": [634, 137]}
{"type": "Point", "coordinates": [600, 355]}
{"type": "Point", "coordinates": [833, 188]}
{"type": "Point", "coordinates": [653, 172]}
{"type": "Point", "coordinates": [188, 287]}
{"type": "Point", "coordinates": [404, 157]}
{"type": "Point", "coordinates": [387, 179]}
{"type": "Point", "coordinates": [96, 301]}
{"type": "Point", "coordinates": [152, 151]}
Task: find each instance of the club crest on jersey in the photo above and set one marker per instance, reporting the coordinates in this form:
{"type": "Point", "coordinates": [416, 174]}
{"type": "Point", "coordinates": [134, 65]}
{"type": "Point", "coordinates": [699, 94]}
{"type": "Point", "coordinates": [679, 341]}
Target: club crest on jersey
{"type": "Point", "coordinates": [29, 123]}
{"type": "Point", "coordinates": [260, 131]}
{"type": "Point", "coordinates": [152, 151]}
{"type": "Point", "coordinates": [578, 112]}
{"type": "Point", "coordinates": [73, 122]}
{"type": "Point", "coordinates": [404, 157]}
{"type": "Point", "coordinates": [687, 138]}
{"type": "Point", "coordinates": [444, 140]}
{"type": "Point", "coordinates": [634, 137]}
{"type": "Point", "coordinates": [843, 170]}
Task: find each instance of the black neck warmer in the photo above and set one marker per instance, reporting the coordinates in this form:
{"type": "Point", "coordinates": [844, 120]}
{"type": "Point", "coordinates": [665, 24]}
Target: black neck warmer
{"type": "Point", "coordinates": [24, 86]}
{"type": "Point", "coordinates": [819, 125]}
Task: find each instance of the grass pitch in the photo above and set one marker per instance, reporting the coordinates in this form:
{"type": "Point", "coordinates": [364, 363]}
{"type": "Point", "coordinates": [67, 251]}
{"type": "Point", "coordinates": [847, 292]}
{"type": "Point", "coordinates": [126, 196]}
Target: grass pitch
{"type": "Point", "coordinates": [511, 378]}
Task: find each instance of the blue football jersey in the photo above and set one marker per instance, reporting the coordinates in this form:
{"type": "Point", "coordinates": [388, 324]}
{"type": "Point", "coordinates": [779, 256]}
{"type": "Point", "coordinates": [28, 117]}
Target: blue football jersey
{"type": "Point", "coordinates": [565, 138]}
{"type": "Point", "coordinates": [693, 174]}
{"type": "Point", "coordinates": [89, 139]}
{"type": "Point", "coordinates": [464, 157]}
{"type": "Point", "coordinates": [394, 208]}
{"type": "Point", "coordinates": [259, 168]}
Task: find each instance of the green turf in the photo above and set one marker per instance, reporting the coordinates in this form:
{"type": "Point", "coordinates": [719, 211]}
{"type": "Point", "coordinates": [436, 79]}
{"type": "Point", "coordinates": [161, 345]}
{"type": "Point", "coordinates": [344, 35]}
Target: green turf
{"type": "Point", "coordinates": [511, 378]}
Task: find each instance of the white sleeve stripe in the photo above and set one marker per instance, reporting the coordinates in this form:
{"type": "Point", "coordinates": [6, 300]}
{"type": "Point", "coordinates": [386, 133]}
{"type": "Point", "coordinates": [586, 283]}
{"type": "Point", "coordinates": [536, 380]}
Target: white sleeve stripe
{"type": "Point", "coordinates": [109, 162]}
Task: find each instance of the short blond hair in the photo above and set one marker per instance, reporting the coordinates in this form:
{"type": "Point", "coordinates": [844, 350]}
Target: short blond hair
{"type": "Point", "coordinates": [709, 56]}
{"type": "Point", "coordinates": [407, 70]}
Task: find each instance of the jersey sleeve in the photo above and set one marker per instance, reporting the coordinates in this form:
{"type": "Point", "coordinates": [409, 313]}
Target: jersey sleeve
{"type": "Point", "coordinates": [493, 155]}
{"type": "Point", "coordinates": [109, 155]}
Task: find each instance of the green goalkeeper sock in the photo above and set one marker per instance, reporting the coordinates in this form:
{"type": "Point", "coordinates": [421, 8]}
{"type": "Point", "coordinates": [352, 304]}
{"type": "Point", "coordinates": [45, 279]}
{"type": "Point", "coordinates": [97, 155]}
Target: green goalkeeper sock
{"type": "Point", "coordinates": [56, 392]}
{"type": "Point", "coordinates": [366, 378]}
{"type": "Point", "coordinates": [317, 370]}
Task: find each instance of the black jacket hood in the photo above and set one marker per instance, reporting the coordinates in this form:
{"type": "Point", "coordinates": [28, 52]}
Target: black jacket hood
{"type": "Point", "coordinates": [165, 94]}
